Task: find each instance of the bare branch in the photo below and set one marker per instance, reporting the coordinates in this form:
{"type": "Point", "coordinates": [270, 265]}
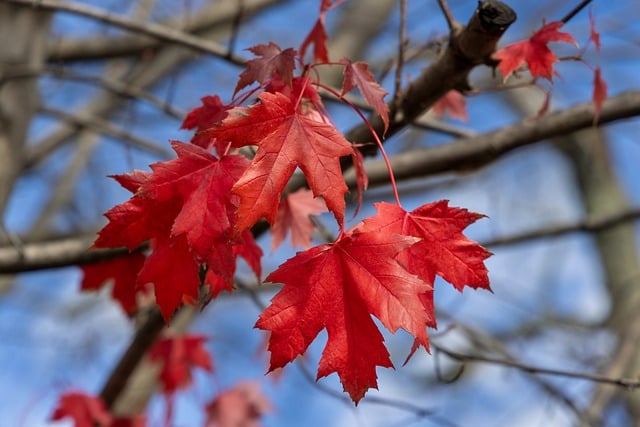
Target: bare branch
{"type": "Point", "coordinates": [214, 14]}
{"type": "Point", "coordinates": [451, 22]}
{"type": "Point", "coordinates": [160, 32]}
{"type": "Point", "coordinates": [628, 383]}
{"type": "Point", "coordinates": [102, 126]}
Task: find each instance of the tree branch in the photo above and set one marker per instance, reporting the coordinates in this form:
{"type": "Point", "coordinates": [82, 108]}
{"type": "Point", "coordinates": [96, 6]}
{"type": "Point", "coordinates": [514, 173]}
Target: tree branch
{"type": "Point", "coordinates": [158, 31]}
{"type": "Point", "coordinates": [468, 154]}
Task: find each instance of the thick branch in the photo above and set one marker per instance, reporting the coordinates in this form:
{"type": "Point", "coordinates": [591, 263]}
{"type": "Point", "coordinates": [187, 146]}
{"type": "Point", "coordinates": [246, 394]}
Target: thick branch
{"type": "Point", "coordinates": [472, 153]}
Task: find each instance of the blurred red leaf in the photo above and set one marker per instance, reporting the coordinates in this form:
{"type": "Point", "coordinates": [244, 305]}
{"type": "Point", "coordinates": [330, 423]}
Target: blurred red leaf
{"type": "Point", "coordinates": [293, 216]}
{"type": "Point", "coordinates": [452, 104]}
{"type": "Point", "coordinates": [240, 406]}
{"type": "Point", "coordinates": [178, 356]}
{"type": "Point", "coordinates": [84, 409]}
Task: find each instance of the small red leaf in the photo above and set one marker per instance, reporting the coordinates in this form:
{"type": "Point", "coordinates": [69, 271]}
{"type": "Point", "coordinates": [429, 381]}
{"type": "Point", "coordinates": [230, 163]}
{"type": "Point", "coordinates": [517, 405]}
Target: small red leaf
{"type": "Point", "coordinates": [594, 35]}
{"type": "Point", "coordinates": [357, 74]}
{"type": "Point", "coordinates": [242, 405]}
{"type": "Point", "coordinates": [318, 38]}
{"type": "Point", "coordinates": [123, 271]}
{"type": "Point", "coordinates": [201, 118]}
{"type": "Point", "coordinates": [534, 52]}
{"type": "Point", "coordinates": [293, 215]}
{"type": "Point", "coordinates": [272, 60]}
{"type": "Point", "coordinates": [599, 92]}
{"type": "Point", "coordinates": [84, 409]}
{"type": "Point", "coordinates": [452, 104]}
{"type": "Point", "coordinates": [177, 357]}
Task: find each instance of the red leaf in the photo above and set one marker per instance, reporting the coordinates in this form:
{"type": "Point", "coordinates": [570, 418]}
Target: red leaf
{"type": "Point", "coordinates": [123, 270]}
{"type": "Point", "coordinates": [534, 52]}
{"type": "Point", "coordinates": [272, 60]}
{"type": "Point", "coordinates": [177, 357]}
{"type": "Point", "coordinates": [318, 37]}
{"type": "Point", "coordinates": [594, 35]}
{"type": "Point", "coordinates": [358, 74]}
{"type": "Point", "coordinates": [84, 409]}
{"type": "Point", "coordinates": [286, 139]}
{"type": "Point", "coordinates": [442, 249]}
{"type": "Point", "coordinates": [174, 274]}
{"type": "Point", "coordinates": [138, 219]}
{"type": "Point", "coordinates": [453, 104]}
{"type": "Point", "coordinates": [201, 118]}
{"type": "Point", "coordinates": [243, 405]}
{"type": "Point", "coordinates": [133, 421]}
{"type": "Point", "coordinates": [202, 184]}
{"type": "Point", "coordinates": [338, 287]}
{"type": "Point", "coordinates": [362, 180]}
{"type": "Point", "coordinates": [293, 215]}
{"type": "Point", "coordinates": [599, 92]}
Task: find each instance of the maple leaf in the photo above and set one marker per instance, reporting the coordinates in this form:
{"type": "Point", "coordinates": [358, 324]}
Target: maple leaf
{"type": "Point", "coordinates": [534, 52]}
{"type": "Point", "coordinates": [442, 250]}
{"type": "Point", "coordinates": [599, 92]}
{"type": "Point", "coordinates": [123, 271]}
{"type": "Point", "coordinates": [453, 104]}
{"type": "Point", "coordinates": [242, 405]}
{"type": "Point", "coordinates": [84, 409]}
{"type": "Point", "coordinates": [318, 37]}
{"type": "Point", "coordinates": [272, 60]}
{"type": "Point", "coordinates": [286, 138]}
{"type": "Point", "coordinates": [202, 183]}
{"type": "Point", "coordinates": [174, 273]}
{"type": "Point", "coordinates": [178, 356]}
{"type": "Point", "coordinates": [357, 74]}
{"type": "Point", "coordinates": [293, 215]}
{"type": "Point", "coordinates": [133, 421]}
{"type": "Point", "coordinates": [338, 287]}
{"type": "Point", "coordinates": [212, 111]}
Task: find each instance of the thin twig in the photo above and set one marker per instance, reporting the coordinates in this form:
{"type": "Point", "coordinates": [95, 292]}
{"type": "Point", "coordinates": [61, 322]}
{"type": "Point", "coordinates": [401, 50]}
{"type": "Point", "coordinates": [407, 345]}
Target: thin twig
{"type": "Point", "coordinates": [402, 43]}
{"type": "Point", "coordinates": [628, 383]}
{"type": "Point", "coordinates": [451, 22]}
{"type": "Point", "coordinates": [102, 126]}
{"type": "Point", "coordinates": [575, 11]}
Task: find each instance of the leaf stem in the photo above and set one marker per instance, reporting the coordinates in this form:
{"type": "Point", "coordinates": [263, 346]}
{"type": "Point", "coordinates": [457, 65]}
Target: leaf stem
{"type": "Point", "coordinates": [387, 162]}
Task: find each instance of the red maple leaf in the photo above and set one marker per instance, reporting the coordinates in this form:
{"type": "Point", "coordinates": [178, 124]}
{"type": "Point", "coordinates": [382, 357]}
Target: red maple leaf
{"type": "Point", "coordinates": [272, 60]}
{"type": "Point", "coordinates": [442, 250]}
{"type": "Point", "coordinates": [133, 421]}
{"type": "Point", "coordinates": [178, 356]}
{"type": "Point", "coordinates": [318, 37]}
{"type": "Point", "coordinates": [172, 269]}
{"type": "Point", "coordinates": [202, 185]}
{"type": "Point", "coordinates": [123, 271]}
{"type": "Point", "coordinates": [534, 52]}
{"type": "Point", "coordinates": [84, 409]}
{"type": "Point", "coordinates": [201, 118]}
{"type": "Point", "coordinates": [293, 215]}
{"type": "Point", "coordinates": [286, 138]}
{"type": "Point", "coordinates": [453, 104]}
{"type": "Point", "coordinates": [357, 74]}
{"type": "Point", "coordinates": [599, 92]}
{"type": "Point", "coordinates": [243, 405]}
{"type": "Point", "coordinates": [337, 287]}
